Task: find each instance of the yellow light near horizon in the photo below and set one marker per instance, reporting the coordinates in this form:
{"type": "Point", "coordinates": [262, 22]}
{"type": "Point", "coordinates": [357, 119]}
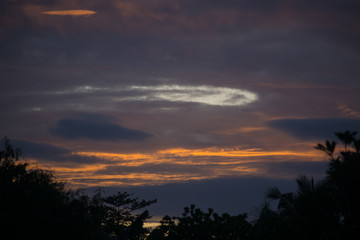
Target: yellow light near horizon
{"type": "Point", "coordinates": [77, 12]}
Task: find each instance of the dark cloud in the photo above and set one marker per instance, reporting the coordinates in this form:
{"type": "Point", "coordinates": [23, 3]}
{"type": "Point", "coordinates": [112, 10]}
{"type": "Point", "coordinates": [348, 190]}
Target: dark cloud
{"type": "Point", "coordinates": [268, 166]}
{"type": "Point", "coordinates": [95, 128]}
{"type": "Point", "coordinates": [294, 168]}
{"type": "Point", "coordinates": [50, 153]}
{"type": "Point", "coordinates": [315, 128]}
{"type": "Point", "coordinates": [164, 168]}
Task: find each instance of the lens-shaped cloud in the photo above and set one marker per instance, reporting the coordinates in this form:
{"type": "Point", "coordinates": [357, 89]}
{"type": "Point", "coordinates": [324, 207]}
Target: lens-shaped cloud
{"type": "Point", "coordinates": [204, 94]}
{"type": "Point", "coordinates": [77, 12]}
{"type": "Point", "coordinates": [217, 96]}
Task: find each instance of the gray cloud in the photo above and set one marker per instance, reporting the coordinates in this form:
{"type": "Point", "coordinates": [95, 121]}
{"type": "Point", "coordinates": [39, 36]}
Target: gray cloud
{"type": "Point", "coordinates": [294, 168]}
{"type": "Point", "coordinates": [164, 168]}
{"type": "Point", "coordinates": [95, 129]}
{"type": "Point", "coordinates": [50, 153]}
{"type": "Point", "coordinates": [315, 128]}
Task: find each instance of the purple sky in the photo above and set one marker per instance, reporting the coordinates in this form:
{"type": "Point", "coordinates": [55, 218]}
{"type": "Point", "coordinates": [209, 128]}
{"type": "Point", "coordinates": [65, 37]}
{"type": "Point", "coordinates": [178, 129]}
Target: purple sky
{"type": "Point", "coordinates": [202, 101]}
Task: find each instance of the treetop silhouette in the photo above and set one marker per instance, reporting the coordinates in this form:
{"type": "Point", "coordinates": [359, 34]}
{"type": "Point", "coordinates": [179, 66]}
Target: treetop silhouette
{"type": "Point", "coordinates": [33, 204]}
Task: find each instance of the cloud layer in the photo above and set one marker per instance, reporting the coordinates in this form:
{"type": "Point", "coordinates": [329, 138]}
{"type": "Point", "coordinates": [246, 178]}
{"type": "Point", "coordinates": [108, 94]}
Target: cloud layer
{"type": "Point", "coordinates": [209, 95]}
{"type": "Point", "coordinates": [77, 12]}
{"type": "Point", "coordinates": [44, 154]}
{"type": "Point", "coordinates": [197, 85]}
{"type": "Point", "coordinates": [95, 129]}
{"type": "Point", "coordinates": [315, 128]}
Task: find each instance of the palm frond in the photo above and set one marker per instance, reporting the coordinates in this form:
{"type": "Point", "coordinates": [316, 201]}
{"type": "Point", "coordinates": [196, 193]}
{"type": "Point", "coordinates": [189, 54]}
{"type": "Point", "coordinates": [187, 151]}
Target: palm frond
{"type": "Point", "coordinates": [273, 194]}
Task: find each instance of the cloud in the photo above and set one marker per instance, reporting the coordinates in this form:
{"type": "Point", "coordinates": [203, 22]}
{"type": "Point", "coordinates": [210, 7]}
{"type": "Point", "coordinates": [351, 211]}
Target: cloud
{"type": "Point", "coordinates": [163, 169]}
{"type": "Point", "coordinates": [180, 165]}
{"type": "Point", "coordinates": [95, 129]}
{"type": "Point", "coordinates": [50, 153]}
{"type": "Point", "coordinates": [110, 96]}
{"type": "Point", "coordinates": [200, 15]}
{"type": "Point", "coordinates": [209, 95]}
{"type": "Point", "coordinates": [315, 128]}
{"type": "Point", "coordinates": [78, 12]}
{"type": "Point", "coordinates": [290, 169]}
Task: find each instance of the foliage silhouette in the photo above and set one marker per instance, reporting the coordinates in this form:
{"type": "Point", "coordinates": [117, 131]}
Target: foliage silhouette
{"type": "Point", "coordinates": [343, 175]}
{"type": "Point", "coordinates": [33, 205]}
{"type": "Point", "coordinates": [196, 224]}
{"type": "Point", "coordinates": [327, 209]}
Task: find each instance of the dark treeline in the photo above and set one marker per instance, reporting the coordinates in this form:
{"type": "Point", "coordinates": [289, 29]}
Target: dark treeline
{"type": "Point", "coordinates": [33, 205]}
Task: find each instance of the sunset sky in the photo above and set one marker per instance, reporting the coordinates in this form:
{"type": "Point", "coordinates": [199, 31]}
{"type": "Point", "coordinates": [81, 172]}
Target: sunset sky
{"type": "Point", "coordinates": [188, 101]}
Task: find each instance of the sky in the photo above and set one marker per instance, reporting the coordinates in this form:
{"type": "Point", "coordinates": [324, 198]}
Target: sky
{"type": "Point", "coordinates": [188, 101]}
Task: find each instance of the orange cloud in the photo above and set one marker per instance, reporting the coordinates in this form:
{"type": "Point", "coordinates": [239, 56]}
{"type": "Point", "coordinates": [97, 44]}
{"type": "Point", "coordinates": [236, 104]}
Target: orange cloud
{"type": "Point", "coordinates": [183, 156]}
{"type": "Point", "coordinates": [175, 165]}
{"type": "Point", "coordinates": [348, 112]}
{"type": "Point", "coordinates": [78, 12]}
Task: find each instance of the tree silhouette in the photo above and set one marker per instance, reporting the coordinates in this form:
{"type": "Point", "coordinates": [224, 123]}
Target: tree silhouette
{"type": "Point", "coordinates": [343, 175]}
{"type": "Point", "coordinates": [166, 230]}
{"type": "Point", "coordinates": [328, 148]}
{"type": "Point", "coordinates": [200, 225]}
{"type": "Point", "coordinates": [347, 138]}
{"type": "Point", "coordinates": [309, 212]}
{"type": "Point", "coordinates": [120, 220]}
{"type": "Point", "coordinates": [268, 224]}
{"type": "Point", "coordinates": [33, 205]}
{"type": "Point", "coordinates": [327, 209]}
{"type": "Point", "coordinates": [30, 199]}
